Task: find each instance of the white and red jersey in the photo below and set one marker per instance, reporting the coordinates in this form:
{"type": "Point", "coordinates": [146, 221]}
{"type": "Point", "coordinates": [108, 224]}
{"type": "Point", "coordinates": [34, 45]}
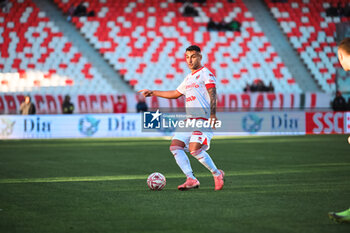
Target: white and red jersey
{"type": "Point", "coordinates": [194, 88]}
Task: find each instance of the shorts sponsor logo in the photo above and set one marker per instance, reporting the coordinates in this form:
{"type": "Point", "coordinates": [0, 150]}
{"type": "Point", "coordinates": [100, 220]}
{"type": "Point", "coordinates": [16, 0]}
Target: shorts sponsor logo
{"type": "Point", "coordinates": [197, 133]}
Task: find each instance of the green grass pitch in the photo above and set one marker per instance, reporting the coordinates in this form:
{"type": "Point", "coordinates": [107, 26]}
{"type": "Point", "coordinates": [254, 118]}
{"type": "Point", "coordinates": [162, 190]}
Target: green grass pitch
{"type": "Point", "coordinates": [273, 184]}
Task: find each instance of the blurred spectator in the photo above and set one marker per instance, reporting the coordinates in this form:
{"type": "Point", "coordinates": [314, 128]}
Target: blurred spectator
{"type": "Point", "coordinates": [91, 14]}
{"type": "Point", "coordinates": [120, 106]}
{"type": "Point", "coordinates": [80, 10]}
{"type": "Point", "coordinates": [234, 25]}
{"type": "Point", "coordinates": [189, 10]}
{"type": "Point", "coordinates": [4, 5]}
{"type": "Point", "coordinates": [27, 107]}
{"type": "Point", "coordinates": [347, 10]}
{"type": "Point", "coordinates": [67, 106]}
{"type": "Point", "coordinates": [259, 86]}
{"type": "Point", "coordinates": [270, 88]}
{"type": "Point", "coordinates": [340, 10]}
{"type": "Point", "coordinates": [141, 105]}
{"type": "Point", "coordinates": [348, 105]}
{"type": "Point", "coordinates": [222, 25]}
{"type": "Point", "coordinates": [212, 26]}
{"type": "Point", "coordinates": [247, 88]}
{"type": "Point", "coordinates": [339, 103]}
{"type": "Point", "coordinates": [333, 11]}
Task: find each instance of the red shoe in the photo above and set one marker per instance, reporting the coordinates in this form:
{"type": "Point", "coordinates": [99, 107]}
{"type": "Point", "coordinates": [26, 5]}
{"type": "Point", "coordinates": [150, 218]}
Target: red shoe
{"type": "Point", "coordinates": [219, 180]}
{"type": "Point", "coordinates": [189, 184]}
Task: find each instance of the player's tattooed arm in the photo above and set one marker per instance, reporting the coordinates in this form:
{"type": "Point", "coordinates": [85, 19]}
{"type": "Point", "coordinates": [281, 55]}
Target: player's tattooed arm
{"type": "Point", "coordinates": [212, 95]}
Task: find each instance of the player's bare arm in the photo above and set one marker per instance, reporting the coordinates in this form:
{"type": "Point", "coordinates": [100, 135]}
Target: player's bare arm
{"type": "Point", "coordinates": [174, 94]}
{"type": "Point", "coordinates": [212, 95]}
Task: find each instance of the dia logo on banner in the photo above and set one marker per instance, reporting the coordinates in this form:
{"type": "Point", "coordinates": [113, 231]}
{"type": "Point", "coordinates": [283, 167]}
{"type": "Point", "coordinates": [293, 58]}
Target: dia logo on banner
{"type": "Point", "coordinates": [38, 124]}
{"type": "Point", "coordinates": [88, 125]}
{"type": "Point", "coordinates": [251, 123]}
{"type": "Point", "coordinates": [6, 127]}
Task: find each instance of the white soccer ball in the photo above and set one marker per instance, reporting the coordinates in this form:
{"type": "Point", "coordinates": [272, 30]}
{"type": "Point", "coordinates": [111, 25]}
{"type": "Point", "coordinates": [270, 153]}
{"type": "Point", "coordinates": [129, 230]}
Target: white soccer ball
{"type": "Point", "coordinates": [156, 181]}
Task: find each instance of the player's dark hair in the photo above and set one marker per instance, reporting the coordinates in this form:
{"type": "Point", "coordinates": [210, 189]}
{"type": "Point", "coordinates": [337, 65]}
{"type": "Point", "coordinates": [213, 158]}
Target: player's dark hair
{"type": "Point", "coordinates": [194, 48]}
{"type": "Point", "coordinates": [345, 45]}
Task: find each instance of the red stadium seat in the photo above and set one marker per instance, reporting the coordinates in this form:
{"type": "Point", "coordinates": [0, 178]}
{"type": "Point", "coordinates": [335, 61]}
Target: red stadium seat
{"type": "Point", "coordinates": [310, 30]}
{"type": "Point", "coordinates": [154, 42]}
{"type": "Point", "coordinates": [36, 52]}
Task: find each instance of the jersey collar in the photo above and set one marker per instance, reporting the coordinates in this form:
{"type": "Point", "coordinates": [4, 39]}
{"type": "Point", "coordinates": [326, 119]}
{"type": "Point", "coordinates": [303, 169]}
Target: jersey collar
{"type": "Point", "coordinates": [197, 70]}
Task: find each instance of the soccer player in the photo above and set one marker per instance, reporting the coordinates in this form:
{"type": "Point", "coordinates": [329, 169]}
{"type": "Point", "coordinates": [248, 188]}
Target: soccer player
{"type": "Point", "coordinates": [199, 88]}
{"type": "Point", "coordinates": [344, 59]}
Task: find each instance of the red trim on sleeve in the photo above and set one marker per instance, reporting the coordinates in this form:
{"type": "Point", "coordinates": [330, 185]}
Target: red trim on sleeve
{"type": "Point", "coordinates": [210, 85]}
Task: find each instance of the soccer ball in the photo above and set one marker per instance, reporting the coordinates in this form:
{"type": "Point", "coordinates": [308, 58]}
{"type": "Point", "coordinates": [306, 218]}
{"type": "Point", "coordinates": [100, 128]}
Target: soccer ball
{"type": "Point", "coordinates": [156, 181]}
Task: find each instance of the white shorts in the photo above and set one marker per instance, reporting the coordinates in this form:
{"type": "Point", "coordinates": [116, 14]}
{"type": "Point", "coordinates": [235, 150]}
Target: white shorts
{"type": "Point", "coordinates": [195, 136]}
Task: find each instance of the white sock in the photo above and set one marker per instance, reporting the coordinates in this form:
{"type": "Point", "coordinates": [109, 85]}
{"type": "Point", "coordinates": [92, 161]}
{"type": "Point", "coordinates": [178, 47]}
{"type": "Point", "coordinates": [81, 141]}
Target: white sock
{"type": "Point", "coordinates": [183, 162]}
{"type": "Point", "coordinates": [205, 159]}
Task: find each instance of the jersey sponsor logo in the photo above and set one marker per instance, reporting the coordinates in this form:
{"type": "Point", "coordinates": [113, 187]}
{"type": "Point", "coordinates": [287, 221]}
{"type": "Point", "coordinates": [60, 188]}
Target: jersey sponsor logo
{"type": "Point", "coordinates": [192, 85]}
{"type": "Point", "coordinates": [211, 75]}
{"type": "Point", "coordinates": [211, 81]}
{"type": "Point", "coordinates": [191, 98]}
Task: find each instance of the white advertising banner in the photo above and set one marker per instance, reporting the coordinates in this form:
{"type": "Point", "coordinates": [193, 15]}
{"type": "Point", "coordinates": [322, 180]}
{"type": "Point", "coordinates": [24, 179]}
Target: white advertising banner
{"type": "Point", "coordinates": [132, 125]}
{"type": "Point", "coordinates": [71, 126]}
{"type": "Point", "coordinates": [263, 123]}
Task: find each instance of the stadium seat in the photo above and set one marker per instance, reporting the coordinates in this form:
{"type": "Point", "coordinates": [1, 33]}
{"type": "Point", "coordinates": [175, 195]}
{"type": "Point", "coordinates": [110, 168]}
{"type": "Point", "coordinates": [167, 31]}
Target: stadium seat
{"type": "Point", "coordinates": [36, 56]}
{"type": "Point", "coordinates": [311, 33]}
{"type": "Point", "coordinates": [145, 41]}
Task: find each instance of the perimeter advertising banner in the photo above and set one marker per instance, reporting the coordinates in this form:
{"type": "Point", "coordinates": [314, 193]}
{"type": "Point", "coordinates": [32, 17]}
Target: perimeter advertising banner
{"type": "Point", "coordinates": [133, 125]}
{"type": "Point", "coordinates": [71, 126]}
{"type": "Point", "coordinates": [229, 123]}
{"type": "Point", "coordinates": [137, 125]}
{"type": "Point", "coordinates": [327, 122]}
